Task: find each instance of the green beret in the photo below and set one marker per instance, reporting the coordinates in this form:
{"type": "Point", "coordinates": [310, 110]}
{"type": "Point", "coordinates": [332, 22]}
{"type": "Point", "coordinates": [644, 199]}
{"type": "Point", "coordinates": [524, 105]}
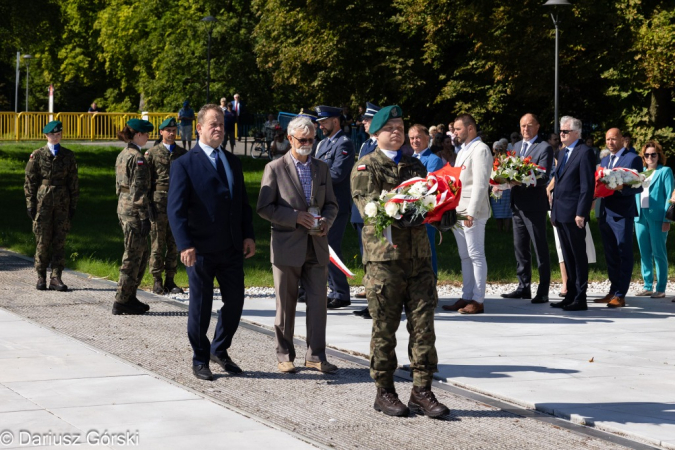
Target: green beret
{"type": "Point", "coordinates": [383, 116]}
{"type": "Point", "coordinates": [170, 122]}
{"type": "Point", "coordinates": [142, 126]}
{"type": "Point", "coordinates": [53, 127]}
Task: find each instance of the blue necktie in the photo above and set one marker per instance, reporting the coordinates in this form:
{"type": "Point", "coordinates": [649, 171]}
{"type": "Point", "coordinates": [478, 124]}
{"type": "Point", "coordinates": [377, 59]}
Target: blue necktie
{"type": "Point", "coordinates": [398, 156]}
{"type": "Point", "coordinates": [564, 160]}
{"type": "Point", "coordinates": [56, 149]}
{"type": "Point", "coordinates": [220, 167]}
{"type": "Point", "coordinates": [172, 147]}
{"type": "Point", "coordinates": [611, 161]}
{"type": "Point", "coordinates": [523, 150]}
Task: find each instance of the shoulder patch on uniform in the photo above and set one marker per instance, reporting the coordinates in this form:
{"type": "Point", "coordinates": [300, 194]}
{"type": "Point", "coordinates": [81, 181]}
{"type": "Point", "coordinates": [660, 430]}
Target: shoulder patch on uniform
{"type": "Point", "coordinates": [140, 162]}
{"type": "Point", "coordinates": [361, 167]}
{"type": "Point", "coordinates": [345, 152]}
{"type": "Point", "coordinates": [32, 156]}
{"type": "Point", "coordinates": [147, 153]}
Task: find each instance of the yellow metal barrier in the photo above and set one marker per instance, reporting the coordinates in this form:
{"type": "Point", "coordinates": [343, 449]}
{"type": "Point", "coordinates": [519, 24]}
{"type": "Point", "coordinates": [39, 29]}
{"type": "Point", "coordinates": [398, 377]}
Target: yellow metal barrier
{"type": "Point", "coordinates": [27, 126]}
{"type": "Point", "coordinates": [8, 126]}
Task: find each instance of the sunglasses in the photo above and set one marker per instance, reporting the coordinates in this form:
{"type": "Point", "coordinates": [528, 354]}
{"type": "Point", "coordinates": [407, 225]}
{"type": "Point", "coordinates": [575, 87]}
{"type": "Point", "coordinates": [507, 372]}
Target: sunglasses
{"type": "Point", "coordinates": [651, 155]}
{"type": "Point", "coordinates": [566, 131]}
{"type": "Point", "coordinates": [304, 141]}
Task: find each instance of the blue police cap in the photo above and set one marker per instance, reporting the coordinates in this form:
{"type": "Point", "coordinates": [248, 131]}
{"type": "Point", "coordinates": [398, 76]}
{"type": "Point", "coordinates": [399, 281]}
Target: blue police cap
{"type": "Point", "coordinates": [371, 110]}
{"type": "Point", "coordinates": [307, 112]}
{"type": "Point", "coordinates": [324, 112]}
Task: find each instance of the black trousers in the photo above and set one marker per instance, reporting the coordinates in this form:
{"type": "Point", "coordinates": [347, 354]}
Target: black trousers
{"type": "Point", "coordinates": [529, 228]}
{"type": "Point", "coordinates": [573, 244]}
{"type": "Point", "coordinates": [228, 268]}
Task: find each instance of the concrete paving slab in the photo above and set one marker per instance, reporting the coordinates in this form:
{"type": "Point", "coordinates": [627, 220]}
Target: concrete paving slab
{"type": "Point", "coordinates": [11, 401]}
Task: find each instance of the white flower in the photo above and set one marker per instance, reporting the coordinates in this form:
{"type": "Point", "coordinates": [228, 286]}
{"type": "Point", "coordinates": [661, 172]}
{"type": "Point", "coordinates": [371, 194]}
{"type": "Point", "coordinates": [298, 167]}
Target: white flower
{"type": "Point", "coordinates": [529, 180]}
{"type": "Point", "coordinates": [370, 209]}
{"type": "Point", "coordinates": [391, 209]}
{"type": "Point", "coordinates": [418, 189]}
{"type": "Point", "coordinates": [383, 194]}
{"type": "Point", "coordinates": [403, 206]}
{"type": "Point", "coordinates": [429, 201]}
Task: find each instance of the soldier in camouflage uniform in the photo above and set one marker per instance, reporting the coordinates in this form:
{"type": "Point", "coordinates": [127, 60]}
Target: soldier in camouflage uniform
{"type": "Point", "coordinates": [132, 183]}
{"type": "Point", "coordinates": [52, 189]}
{"type": "Point", "coordinates": [398, 277]}
{"type": "Point", "coordinates": [159, 158]}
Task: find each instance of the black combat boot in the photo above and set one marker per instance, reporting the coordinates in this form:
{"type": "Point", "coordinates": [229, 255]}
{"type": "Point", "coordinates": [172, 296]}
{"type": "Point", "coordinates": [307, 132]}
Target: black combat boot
{"type": "Point", "coordinates": [158, 288]}
{"type": "Point", "coordinates": [423, 401]}
{"type": "Point", "coordinates": [144, 306]}
{"type": "Point", "coordinates": [387, 402]}
{"type": "Point", "coordinates": [171, 287]}
{"type": "Point", "coordinates": [130, 308]}
{"type": "Point", "coordinates": [55, 284]}
{"type": "Point", "coordinates": [41, 282]}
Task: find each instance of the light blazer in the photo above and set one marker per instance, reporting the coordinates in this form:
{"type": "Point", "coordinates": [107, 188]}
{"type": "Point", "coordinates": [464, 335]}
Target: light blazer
{"type": "Point", "coordinates": [660, 189]}
{"type": "Point", "coordinates": [281, 197]}
{"type": "Point", "coordinates": [534, 198]}
{"type": "Point", "coordinates": [622, 203]}
{"type": "Point", "coordinates": [476, 163]}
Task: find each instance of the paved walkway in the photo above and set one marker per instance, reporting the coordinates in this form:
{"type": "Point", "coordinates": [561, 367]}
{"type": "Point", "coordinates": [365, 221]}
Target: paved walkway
{"type": "Point", "coordinates": [132, 373]}
{"type": "Point", "coordinates": [610, 368]}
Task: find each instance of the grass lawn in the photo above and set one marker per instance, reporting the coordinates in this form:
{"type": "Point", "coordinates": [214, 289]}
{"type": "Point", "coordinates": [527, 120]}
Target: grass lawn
{"type": "Point", "coordinates": [95, 244]}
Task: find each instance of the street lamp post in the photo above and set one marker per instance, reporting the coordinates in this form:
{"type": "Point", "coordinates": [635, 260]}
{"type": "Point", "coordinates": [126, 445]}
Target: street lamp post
{"type": "Point", "coordinates": [27, 58]}
{"type": "Point", "coordinates": [556, 4]}
{"type": "Point", "coordinates": [208, 21]}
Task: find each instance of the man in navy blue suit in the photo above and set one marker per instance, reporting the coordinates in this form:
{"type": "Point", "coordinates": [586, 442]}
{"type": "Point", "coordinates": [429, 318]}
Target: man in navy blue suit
{"type": "Point", "coordinates": [212, 223]}
{"type": "Point", "coordinates": [616, 221]}
{"type": "Point", "coordinates": [337, 151]}
{"type": "Point", "coordinates": [571, 200]}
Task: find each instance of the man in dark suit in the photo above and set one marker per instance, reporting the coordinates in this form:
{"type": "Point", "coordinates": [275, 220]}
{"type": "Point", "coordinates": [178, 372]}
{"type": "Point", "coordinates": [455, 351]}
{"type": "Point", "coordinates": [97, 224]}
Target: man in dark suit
{"type": "Point", "coordinates": [337, 151]}
{"type": "Point", "coordinates": [571, 201]}
{"type": "Point", "coordinates": [529, 206]}
{"type": "Point", "coordinates": [212, 223]}
{"type": "Point", "coordinates": [616, 221]}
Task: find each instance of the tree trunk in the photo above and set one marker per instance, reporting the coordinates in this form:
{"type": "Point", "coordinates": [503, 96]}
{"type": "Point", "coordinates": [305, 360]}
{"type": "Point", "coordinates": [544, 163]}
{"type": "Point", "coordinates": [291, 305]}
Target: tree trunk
{"type": "Point", "coordinates": [661, 108]}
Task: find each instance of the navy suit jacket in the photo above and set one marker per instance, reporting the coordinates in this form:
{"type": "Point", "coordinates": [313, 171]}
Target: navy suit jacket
{"type": "Point", "coordinates": [621, 203]}
{"type": "Point", "coordinates": [534, 198]}
{"type": "Point", "coordinates": [574, 185]}
{"type": "Point", "coordinates": [195, 193]}
{"type": "Point", "coordinates": [339, 155]}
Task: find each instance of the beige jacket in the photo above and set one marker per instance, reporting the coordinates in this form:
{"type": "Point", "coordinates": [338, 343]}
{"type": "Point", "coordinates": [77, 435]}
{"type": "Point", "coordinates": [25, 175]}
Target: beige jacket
{"type": "Point", "coordinates": [476, 163]}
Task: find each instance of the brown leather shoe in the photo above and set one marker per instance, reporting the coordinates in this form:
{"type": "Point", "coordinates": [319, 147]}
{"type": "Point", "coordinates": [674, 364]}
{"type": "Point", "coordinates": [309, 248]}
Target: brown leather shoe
{"type": "Point", "coordinates": [617, 302]}
{"type": "Point", "coordinates": [423, 401]}
{"type": "Point", "coordinates": [459, 304]}
{"type": "Point", "coordinates": [604, 299]}
{"type": "Point", "coordinates": [472, 308]}
{"type": "Point", "coordinates": [387, 402]}
{"type": "Point", "coordinates": [361, 295]}
{"type": "Point", "coordinates": [41, 284]}
{"type": "Point", "coordinates": [55, 284]}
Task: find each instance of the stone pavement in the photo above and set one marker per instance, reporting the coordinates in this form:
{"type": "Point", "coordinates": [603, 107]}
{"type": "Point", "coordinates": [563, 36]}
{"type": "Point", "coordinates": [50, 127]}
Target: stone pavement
{"type": "Point", "coordinates": [87, 387]}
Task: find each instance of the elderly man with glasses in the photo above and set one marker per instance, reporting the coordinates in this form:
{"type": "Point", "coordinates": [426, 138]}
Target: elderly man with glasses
{"type": "Point", "coordinates": [291, 187]}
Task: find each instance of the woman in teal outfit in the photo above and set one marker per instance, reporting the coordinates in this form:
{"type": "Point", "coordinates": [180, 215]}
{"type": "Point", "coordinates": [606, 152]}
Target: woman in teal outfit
{"type": "Point", "coordinates": [651, 224]}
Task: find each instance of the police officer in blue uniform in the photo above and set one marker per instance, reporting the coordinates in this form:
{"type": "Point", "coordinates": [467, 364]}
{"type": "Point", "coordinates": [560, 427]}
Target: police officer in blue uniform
{"type": "Point", "coordinates": [367, 147]}
{"type": "Point", "coordinates": [337, 151]}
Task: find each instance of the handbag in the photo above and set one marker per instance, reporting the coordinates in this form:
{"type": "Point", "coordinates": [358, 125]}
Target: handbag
{"type": "Point", "coordinates": [670, 214]}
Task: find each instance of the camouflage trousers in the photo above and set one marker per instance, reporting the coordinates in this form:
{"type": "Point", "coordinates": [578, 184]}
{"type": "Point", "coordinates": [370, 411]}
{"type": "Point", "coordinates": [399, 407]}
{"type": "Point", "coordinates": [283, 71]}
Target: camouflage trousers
{"type": "Point", "coordinates": [51, 225]}
{"type": "Point", "coordinates": [134, 261]}
{"type": "Point", "coordinates": [163, 251]}
{"type": "Point", "coordinates": [391, 287]}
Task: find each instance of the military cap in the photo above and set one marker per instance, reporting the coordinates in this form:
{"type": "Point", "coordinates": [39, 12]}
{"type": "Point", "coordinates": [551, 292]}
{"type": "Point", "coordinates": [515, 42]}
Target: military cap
{"type": "Point", "coordinates": [170, 122]}
{"type": "Point", "coordinates": [306, 112]}
{"type": "Point", "coordinates": [371, 110]}
{"type": "Point", "coordinates": [324, 112]}
{"type": "Point", "coordinates": [53, 127]}
{"type": "Point", "coordinates": [142, 126]}
{"type": "Point", "coordinates": [383, 116]}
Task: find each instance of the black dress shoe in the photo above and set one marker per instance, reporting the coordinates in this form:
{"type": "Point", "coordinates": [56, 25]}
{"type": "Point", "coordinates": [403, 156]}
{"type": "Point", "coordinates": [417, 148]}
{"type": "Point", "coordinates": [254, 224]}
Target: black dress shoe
{"type": "Point", "coordinates": [540, 299]}
{"type": "Point", "coordinates": [227, 364]}
{"type": "Point", "coordinates": [130, 308]}
{"type": "Point", "coordinates": [367, 315]}
{"type": "Point", "coordinates": [360, 312]}
{"type": "Point", "coordinates": [561, 304]}
{"type": "Point", "coordinates": [519, 293]}
{"type": "Point", "coordinates": [55, 284]}
{"type": "Point", "coordinates": [334, 303]}
{"type": "Point", "coordinates": [202, 372]}
{"type": "Point", "coordinates": [576, 306]}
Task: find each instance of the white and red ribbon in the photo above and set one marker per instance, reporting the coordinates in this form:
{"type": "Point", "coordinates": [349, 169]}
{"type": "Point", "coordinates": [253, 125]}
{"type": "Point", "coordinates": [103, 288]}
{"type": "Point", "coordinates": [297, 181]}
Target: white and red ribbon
{"type": "Point", "coordinates": [338, 263]}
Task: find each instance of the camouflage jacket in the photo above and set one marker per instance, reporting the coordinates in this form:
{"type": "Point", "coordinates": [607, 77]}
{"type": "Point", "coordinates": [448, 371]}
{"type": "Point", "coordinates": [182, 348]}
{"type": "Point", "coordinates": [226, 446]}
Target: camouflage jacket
{"type": "Point", "coordinates": [372, 174]}
{"type": "Point", "coordinates": [132, 183]}
{"type": "Point", "coordinates": [48, 174]}
{"type": "Point", "coordinates": [159, 163]}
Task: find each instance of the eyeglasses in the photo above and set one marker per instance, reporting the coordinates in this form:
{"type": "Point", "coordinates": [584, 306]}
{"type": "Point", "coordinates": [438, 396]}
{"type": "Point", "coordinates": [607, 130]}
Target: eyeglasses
{"type": "Point", "coordinates": [304, 141]}
{"type": "Point", "coordinates": [651, 155]}
{"type": "Point", "coordinates": [566, 131]}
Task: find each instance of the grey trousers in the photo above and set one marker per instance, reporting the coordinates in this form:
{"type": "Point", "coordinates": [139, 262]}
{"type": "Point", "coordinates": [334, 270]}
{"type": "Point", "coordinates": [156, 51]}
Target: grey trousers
{"type": "Point", "coordinates": [313, 277]}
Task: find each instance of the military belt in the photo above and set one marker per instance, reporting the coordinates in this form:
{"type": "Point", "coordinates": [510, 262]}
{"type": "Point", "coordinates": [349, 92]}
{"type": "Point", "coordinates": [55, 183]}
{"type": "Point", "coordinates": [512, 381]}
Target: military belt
{"type": "Point", "coordinates": [53, 183]}
{"type": "Point", "coordinates": [161, 187]}
{"type": "Point", "coordinates": [124, 189]}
